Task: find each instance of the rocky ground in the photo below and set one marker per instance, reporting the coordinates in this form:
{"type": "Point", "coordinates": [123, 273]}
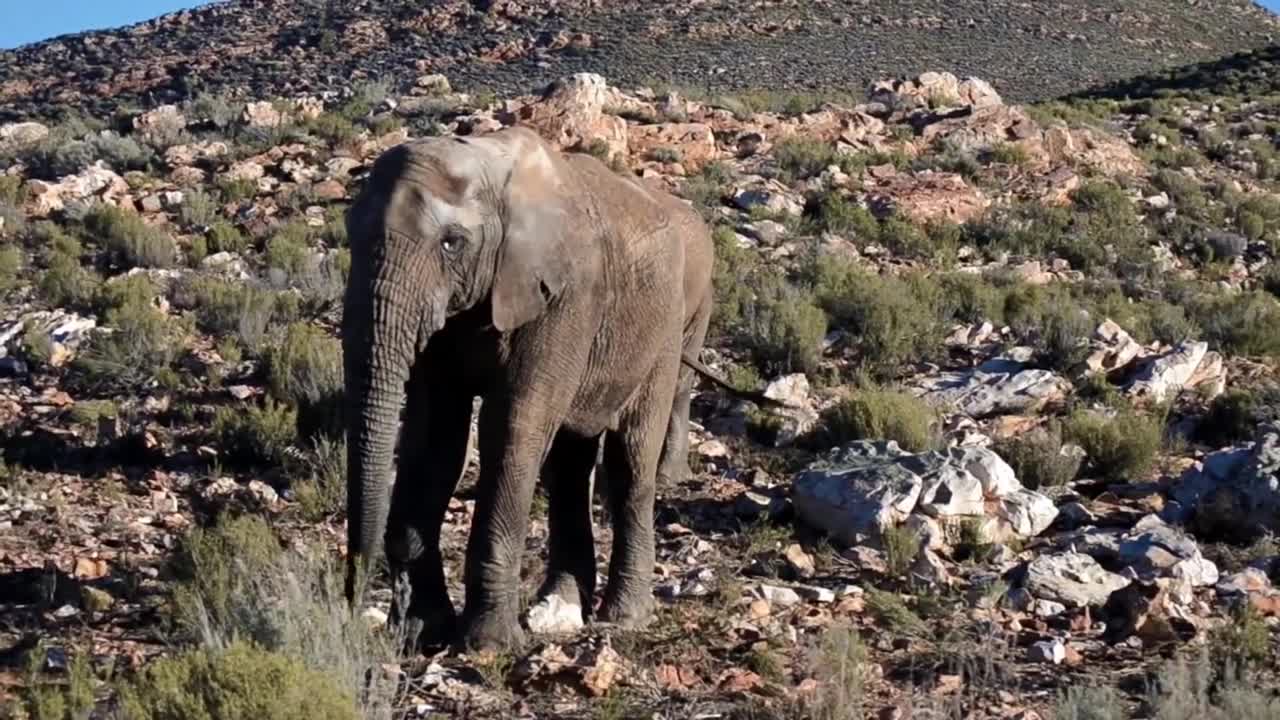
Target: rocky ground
{"type": "Point", "coordinates": [280, 47]}
{"type": "Point", "coordinates": [1034, 464]}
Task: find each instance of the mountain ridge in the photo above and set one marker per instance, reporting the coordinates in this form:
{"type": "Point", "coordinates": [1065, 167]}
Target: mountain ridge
{"type": "Point", "coordinates": [282, 47]}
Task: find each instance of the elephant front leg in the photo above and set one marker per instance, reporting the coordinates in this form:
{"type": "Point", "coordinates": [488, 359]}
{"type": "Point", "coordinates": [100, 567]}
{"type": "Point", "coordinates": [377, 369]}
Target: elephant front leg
{"type": "Point", "coordinates": [571, 567]}
{"type": "Point", "coordinates": [514, 437]}
{"type": "Point", "coordinates": [433, 454]}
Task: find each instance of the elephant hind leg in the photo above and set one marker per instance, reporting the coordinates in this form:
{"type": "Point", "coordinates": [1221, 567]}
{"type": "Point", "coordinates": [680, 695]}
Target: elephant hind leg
{"type": "Point", "coordinates": [571, 566]}
{"type": "Point", "coordinates": [674, 464]}
{"type": "Point", "coordinates": [632, 453]}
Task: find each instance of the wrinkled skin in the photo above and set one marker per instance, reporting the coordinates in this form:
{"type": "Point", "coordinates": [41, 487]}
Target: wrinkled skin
{"type": "Point", "coordinates": [563, 296]}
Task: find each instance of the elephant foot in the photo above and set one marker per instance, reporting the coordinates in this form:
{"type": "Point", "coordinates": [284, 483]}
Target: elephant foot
{"type": "Point", "coordinates": [492, 630]}
{"type": "Point", "coordinates": [430, 628]}
{"type": "Point", "coordinates": [632, 611]}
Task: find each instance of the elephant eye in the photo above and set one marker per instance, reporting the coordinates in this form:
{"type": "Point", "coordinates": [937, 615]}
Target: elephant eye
{"type": "Point", "coordinates": [452, 241]}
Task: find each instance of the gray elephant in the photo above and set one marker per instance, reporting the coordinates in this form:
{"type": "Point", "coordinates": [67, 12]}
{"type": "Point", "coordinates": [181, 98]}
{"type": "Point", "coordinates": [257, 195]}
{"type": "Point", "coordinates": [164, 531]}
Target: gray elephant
{"type": "Point", "coordinates": [574, 302]}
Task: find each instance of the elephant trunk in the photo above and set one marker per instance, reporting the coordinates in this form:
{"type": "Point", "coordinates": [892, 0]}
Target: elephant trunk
{"type": "Point", "coordinates": [379, 341]}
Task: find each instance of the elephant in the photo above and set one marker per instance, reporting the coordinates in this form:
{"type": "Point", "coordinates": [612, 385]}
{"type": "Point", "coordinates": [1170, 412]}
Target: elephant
{"type": "Point", "coordinates": [574, 303]}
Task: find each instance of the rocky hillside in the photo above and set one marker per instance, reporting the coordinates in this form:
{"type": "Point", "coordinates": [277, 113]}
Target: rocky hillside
{"type": "Point", "coordinates": [1033, 473]}
{"type": "Point", "coordinates": [260, 48]}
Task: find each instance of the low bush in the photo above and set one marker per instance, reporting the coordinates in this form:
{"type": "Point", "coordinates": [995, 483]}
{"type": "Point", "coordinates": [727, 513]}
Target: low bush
{"type": "Point", "coordinates": [835, 213]}
{"type": "Point", "coordinates": [894, 320]}
{"type": "Point", "coordinates": [802, 157]}
{"type": "Point", "coordinates": [241, 682]}
{"type": "Point", "coordinates": [222, 306]}
{"type": "Point", "coordinates": [784, 328]}
{"type": "Point", "coordinates": [142, 343]}
{"type": "Point", "coordinates": [199, 209]}
{"type": "Point", "coordinates": [128, 239]}
{"type": "Point", "coordinates": [901, 546]}
{"type": "Point", "coordinates": [1245, 324]}
{"type": "Point", "coordinates": [1118, 448]}
{"type": "Point", "coordinates": [11, 261]}
{"type": "Point", "coordinates": [236, 584]}
{"type": "Point", "coordinates": [322, 492]}
{"type": "Point", "coordinates": [880, 414]}
{"type": "Point", "coordinates": [1037, 458]}
{"type": "Point", "coordinates": [257, 434]}
{"type": "Point", "coordinates": [305, 371]}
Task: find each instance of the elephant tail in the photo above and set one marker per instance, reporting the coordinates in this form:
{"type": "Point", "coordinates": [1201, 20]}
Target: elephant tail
{"type": "Point", "coordinates": [754, 396]}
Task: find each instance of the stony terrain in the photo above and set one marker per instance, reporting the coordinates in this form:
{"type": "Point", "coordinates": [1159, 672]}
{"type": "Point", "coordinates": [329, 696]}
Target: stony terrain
{"type": "Point", "coordinates": [1027, 50]}
{"type": "Point", "coordinates": [1033, 474]}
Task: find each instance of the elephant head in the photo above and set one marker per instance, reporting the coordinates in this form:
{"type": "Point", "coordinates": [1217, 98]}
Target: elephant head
{"type": "Point", "coordinates": [442, 226]}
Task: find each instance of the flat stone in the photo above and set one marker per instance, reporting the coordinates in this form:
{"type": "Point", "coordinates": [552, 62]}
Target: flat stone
{"type": "Point", "coordinates": [1073, 579]}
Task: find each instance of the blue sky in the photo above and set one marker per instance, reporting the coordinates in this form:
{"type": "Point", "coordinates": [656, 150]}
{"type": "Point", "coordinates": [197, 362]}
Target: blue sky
{"type": "Point", "coordinates": [47, 18]}
{"type": "Point", "coordinates": [27, 22]}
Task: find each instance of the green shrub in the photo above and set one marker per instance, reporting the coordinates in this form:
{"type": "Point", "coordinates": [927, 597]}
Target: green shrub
{"type": "Point", "coordinates": [903, 238]}
{"type": "Point", "coordinates": [733, 265]}
{"type": "Point", "coordinates": [219, 110]}
{"type": "Point", "coordinates": [840, 665]}
{"type": "Point", "coordinates": [123, 154]}
{"type": "Point", "coordinates": [222, 306]}
{"type": "Point", "coordinates": [1063, 344]}
{"type": "Point", "coordinates": [1099, 702]}
{"type": "Point", "coordinates": [71, 701]}
{"type": "Point", "coordinates": [129, 239]}
{"type": "Point", "coordinates": [836, 213]}
{"type": "Point", "coordinates": [225, 237]}
{"type": "Point", "coordinates": [65, 283]}
{"type": "Point", "coordinates": [890, 610]}
{"type": "Point", "coordinates": [901, 546]}
{"type": "Point", "coordinates": [323, 492]}
{"type": "Point", "coordinates": [288, 249]}
{"type": "Point", "coordinates": [706, 189]}
{"type": "Point", "coordinates": [241, 682]}
{"type": "Point", "coordinates": [236, 584]}
{"type": "Point", "coordinates": [1244, 641]}
{"type": "Point", "coordinates": [1209, 687]}
{"type": "Point", "coordinates": [213, 567]}
{"type": "Point", "coordinates": [802, 157]}
{"type": "Point", "coordinates": [199, 209]}
{"type": "Point", "coordinates": [11, 190]}
{"type": "Point", "coordinates": [236, 190]}
{"type": "Point", "coordinates": [257, 434]}
{"type": "Point", "coordinates": [1234, 415]}
{"type": "Point", "coordinates": [878, 414]}
{"type": "Point", "coordinates": [1245, 324]}
{"type": "Point", "coordinates": [1119, 448]}
{"type": "Point", "coordinates": [969, 298]}
{"type": "Point", "coordinates": [1007, 153]}
{"type": "Point", "coordinates": [1037, 458]}
{"type": "Point", "coordinates": [143, 342]}
{"type": "Point", "coordinates": [10, 267]}
{"type": "Point", "coordinates": [894, 320]}
{"type": "Point", "coordinates": [785, 329]}
{"type": "Point", "coordinates": [333, 127]}
{"type": "Point", "coordinates": [305, 371]}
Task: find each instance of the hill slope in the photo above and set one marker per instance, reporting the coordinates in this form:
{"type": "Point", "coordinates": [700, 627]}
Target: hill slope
{"type": "Point", "coordinates": [1027, 50]}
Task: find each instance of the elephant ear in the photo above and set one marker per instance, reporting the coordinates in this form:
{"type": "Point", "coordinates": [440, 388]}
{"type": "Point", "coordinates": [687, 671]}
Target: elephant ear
{"type": "Point", "coordinates": [533, 266]}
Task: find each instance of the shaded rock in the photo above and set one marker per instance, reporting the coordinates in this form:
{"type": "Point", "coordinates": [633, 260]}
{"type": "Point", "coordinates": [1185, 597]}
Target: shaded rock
{"type": "Point", "coordinates": [1165, 374]}
{"type": "Point", "coordinates": [777, 200]}
{"type": "Point", "coordinates": [1225, 245]}
{"type": "Point", "coordinates": [61, 331]}
{"type": "Point", "coordinates": [1235, 491]}
{"type": "Point", "coordinates": [1052, 652]}
{"type": "Point", "coordinates": [1155, 549]}
{"type": "Point", "coordinates": [1073, 579]}
{"type": "Point", "coordinates": [996, 387]}
{"type": "Point", "coordinates": [864, 486]}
